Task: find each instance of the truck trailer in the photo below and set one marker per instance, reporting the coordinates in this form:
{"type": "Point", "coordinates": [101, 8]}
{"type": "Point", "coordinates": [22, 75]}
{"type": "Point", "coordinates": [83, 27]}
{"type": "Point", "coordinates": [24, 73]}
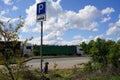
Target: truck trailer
{"type": "Point", "coordinates": [15, 48]}
{"type": "Point", "coordinates": [59, 50]}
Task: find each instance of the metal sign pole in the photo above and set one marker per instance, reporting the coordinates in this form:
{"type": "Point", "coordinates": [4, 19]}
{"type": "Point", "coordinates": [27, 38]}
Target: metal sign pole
{"type": "Point", "coordinates": [41, 16]}
{"type": "Point", "coordinates": [41, 46]}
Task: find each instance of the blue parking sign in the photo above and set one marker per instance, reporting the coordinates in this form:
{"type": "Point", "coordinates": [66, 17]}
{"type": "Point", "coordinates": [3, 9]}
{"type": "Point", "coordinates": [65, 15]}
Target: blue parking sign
{"type": "Point", "coordinates": [41, 8]}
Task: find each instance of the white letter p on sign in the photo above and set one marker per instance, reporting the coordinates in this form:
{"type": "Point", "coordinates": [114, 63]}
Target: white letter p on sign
{"type": "Point", "coordinates": [40, 7]}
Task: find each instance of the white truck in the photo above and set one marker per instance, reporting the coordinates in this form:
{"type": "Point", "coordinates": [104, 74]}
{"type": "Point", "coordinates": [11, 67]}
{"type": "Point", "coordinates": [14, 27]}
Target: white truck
{"type": "Point", "coordinates": [28, 49]}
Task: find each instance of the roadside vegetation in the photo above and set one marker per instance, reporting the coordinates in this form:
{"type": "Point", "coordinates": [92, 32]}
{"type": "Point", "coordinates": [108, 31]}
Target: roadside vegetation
{"type": "Point", "coordinates": [9, 51]}
{"type": "Point", "coordinates": [104, 63]}
{"type": "Point", "coordinates": [105, 60]}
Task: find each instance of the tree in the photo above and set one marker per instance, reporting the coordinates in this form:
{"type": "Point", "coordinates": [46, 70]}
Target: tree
{"type": "Point", "coordinates": [114, 53]}
{"type": "Point", "coordinates": [99, 52]}
{"type": "Point", "coordinates": [9, 33]}
{"type": "Point", "coordinates": [84, 46]}
{"type": "Point", "coordinates": [104, 53]}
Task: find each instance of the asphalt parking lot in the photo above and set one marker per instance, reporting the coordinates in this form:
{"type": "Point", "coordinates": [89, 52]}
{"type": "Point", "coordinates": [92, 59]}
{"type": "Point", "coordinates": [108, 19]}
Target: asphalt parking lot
{"type": "Point", "coordinates": [62, 63]}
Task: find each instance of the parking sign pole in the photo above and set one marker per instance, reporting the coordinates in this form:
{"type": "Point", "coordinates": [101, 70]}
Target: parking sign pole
{"type": "Point", "coordinates": [41, 16]}
{"type": "Point", "coordinates": [41, 46]}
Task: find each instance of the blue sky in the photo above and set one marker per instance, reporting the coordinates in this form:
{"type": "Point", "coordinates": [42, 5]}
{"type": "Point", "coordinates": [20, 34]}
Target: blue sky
{"type": "Point", "coordinates": [68, 22]}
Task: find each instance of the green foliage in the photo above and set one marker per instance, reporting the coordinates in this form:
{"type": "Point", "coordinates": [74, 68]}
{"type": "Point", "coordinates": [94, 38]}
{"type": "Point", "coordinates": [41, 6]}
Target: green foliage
{"type": "Point", "coordinates": [62, 74]}
{"type": "Point", "coordinates": [9, 49]}
{"type": "Point", "coordinates": [106, 77]}
{"type": "Point", "coordinates": [88, 66]}
{"type": "Point", "coordinates": [20, 71]}
{"type": "Point", "coordinates": [85, 48]}
{"type": "Point", "coordinates": [104, 63]}
{"type": "Point", "coordinates": [36, 50]}
{"type": "Point", "coordinates": [114, 54]}
{"type": "Point", "coordinates": [103, 53]}
{"type": "Point", "coordinates": [9, 34]}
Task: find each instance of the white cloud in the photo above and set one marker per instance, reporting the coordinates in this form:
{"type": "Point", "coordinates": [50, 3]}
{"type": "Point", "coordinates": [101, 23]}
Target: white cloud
{"type": "Point", "coordinates": [5, 19]}
{"type": "Point", "coordinates": [31, 15]}
{"type": "Point", "coordinates": [102, 36]}
{"type": "Point", "coordinates": [119, 16]}
{"type": "Point", "coordinates": [73, 42]}
{"type": "Point", "coordinates": [118, 39]}
{"type": "Point", "coordinates": [89, 12]}
{"type": "Point", "coordinates": [106, 14]}
{"type": "Point", "coordinates": [77, 37]}
{"type": "Point", "coordinates": [114, 28]}
{"type": "Point", "coordinates": [2, 13]}
{"type": "Point", "coordinates": [105, 19]}
{"type": "Point", "coordinates": [35, 40]}
{"type": "Point", "coordinates": [107, 10]}
{"type": "Point", "coordinates": [14, 20]}
{"type": "Point", "coordinates": [91, 37]}
{"type": "Point", "coordinates": [95, 29]}
{"type": "Point", "coordinates": [14, 8]}
{"type": "Point", "coordinates": [87, 39]}
{"type": "Point", "coordinates": [58, 21]}
{"type": "Point", "coordinates": [64, 20]}
{"type": "Point", "coordinates": [8, 2]}
{"type": "Point", "coordinates": [53, 38]}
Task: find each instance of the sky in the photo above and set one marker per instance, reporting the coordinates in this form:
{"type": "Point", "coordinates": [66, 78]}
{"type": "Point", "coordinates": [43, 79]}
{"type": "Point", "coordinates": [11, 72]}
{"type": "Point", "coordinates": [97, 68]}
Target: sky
{"type": "Point", "coordinates": [68, 22]}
